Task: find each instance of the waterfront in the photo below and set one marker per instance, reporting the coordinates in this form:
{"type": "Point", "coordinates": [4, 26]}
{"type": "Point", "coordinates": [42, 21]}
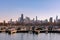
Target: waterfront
{"type": "Point", "coordinates": [28, 36]}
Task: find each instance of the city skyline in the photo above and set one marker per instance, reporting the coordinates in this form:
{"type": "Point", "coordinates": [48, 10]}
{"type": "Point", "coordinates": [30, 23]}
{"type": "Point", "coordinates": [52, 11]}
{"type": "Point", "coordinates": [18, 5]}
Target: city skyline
{"type": "Point", "coordinates": [31, 8]}
{"type": "Point", "coordinates": [27, 19]}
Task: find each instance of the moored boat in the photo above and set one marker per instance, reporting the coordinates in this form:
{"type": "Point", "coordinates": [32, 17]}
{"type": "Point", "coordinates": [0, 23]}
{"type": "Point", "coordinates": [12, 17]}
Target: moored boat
{"type": "Point", "coordinates": [11, 31]}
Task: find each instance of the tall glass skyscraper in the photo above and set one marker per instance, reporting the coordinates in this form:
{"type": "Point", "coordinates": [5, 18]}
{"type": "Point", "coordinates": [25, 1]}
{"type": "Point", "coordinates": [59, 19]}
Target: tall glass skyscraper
{"type": "Point", "coordinates": [21, 19]}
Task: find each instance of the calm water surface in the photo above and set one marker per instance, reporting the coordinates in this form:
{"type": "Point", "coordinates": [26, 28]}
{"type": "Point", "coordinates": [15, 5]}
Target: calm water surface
{"type": "Point", "coordinates": [28, 36]}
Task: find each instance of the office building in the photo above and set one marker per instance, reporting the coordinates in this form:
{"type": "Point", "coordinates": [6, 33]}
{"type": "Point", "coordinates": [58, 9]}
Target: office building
{"type": "Point", "coordinates": [36, 18]}
{"type": "Point", "coordinates": [51, 20]}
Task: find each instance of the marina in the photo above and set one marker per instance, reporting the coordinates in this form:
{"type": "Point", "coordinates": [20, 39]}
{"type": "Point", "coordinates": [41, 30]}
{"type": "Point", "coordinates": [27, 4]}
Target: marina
{"type": "Point", "coordinates": [35, 31]}
{"type": "Point", "coordinates": [29, 19]}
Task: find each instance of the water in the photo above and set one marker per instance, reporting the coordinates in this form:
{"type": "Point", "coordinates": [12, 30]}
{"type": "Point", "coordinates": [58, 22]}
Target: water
{"type": "Point", "coordinates": [27, 36]}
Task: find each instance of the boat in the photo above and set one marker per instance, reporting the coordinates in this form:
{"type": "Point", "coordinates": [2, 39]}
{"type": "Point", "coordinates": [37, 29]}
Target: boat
{"type": "Point", "coordinates": [11, 31]}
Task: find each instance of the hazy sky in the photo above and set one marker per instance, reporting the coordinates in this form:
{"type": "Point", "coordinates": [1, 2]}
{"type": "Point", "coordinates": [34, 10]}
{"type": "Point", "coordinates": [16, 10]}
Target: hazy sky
{"type": "Point", "coordinates": [31, 8]}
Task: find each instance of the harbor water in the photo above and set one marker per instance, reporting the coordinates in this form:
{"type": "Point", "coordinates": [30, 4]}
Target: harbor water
{"type": "Point", "coordinates": [28, 36]}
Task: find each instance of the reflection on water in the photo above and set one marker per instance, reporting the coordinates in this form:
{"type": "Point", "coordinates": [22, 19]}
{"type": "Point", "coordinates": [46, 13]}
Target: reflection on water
{"type": "Point", "coordinates": [27, 36]}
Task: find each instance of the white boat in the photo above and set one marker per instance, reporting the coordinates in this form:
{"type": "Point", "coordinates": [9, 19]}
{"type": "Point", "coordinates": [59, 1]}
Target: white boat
{"type": "Point", "coordinates": [12, 30]}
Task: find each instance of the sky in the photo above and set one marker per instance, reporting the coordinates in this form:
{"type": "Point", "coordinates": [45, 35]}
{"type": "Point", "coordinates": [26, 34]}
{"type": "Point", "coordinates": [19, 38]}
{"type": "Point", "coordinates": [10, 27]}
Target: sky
{"type": "Point", "coordinates": [43, 9]}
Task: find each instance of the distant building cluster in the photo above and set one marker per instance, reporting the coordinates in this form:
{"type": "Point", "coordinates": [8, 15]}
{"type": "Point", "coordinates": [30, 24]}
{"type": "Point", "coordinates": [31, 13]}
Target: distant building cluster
{"type": "Point", "coordinates": [27, 20]}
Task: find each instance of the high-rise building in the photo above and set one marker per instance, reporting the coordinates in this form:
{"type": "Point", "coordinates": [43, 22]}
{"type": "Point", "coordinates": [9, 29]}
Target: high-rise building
{"type": "Point", "coordinates": [51, 20]}
{"type": "Point", "coordinates": [46, 21]}
{"type": "Point", "coordinates": [21, 19]}
{"type": "Point", "coordinates": [27, 20]}
{"type": "Point", "coordinates": [10, 21]}
{"type": "Point", "coordinates": [56, 17]}
{"type": "Point", "coordinates": [4, 22]}
{"type": "Point", "coordinates": [36, 18]}
{"type": "Point", "coordinates": [33, 20]}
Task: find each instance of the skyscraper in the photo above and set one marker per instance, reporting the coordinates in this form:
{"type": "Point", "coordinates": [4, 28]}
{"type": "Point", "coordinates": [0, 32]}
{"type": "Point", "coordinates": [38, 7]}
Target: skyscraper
{"type": "Point", "coordinates": [10, 21]}
{"type": "Point", "coordinates": [51, 20]}
{"type": "Point", "coordinates": [21, 19]}
{"type": "Point", "coordinates": [56, 17]}
{"type": "Point", "coordinates": [27, 20]}
{"type": "Point", "coordinates": [4, 22]}
{"type": "Point", "coordinates": [36, 18]}
{"type": "Point", "coordinates": [33, 20]}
